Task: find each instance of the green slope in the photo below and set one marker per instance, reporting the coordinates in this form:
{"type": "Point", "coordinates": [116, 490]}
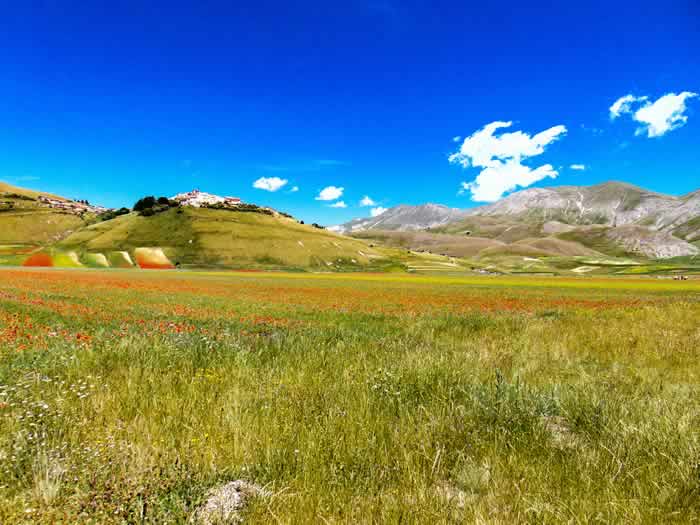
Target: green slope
{"type": "Point", "coordinates": [25, 221]}
{"type": "Point", "coordinates": [222, 238]}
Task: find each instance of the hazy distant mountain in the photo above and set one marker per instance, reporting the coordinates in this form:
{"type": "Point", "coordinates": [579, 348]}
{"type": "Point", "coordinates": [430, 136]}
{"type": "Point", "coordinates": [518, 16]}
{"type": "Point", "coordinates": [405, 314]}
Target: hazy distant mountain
{"type": "Point", "coordinates": [612, 217]}
{"type": "Point", "coordinates": [405, 218]}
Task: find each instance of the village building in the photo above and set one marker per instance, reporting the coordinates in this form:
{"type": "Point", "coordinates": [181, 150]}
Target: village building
{"type": "Point", "coordinates": [75, 207]}
{"type": "Point", "coordinates": [198, 199]}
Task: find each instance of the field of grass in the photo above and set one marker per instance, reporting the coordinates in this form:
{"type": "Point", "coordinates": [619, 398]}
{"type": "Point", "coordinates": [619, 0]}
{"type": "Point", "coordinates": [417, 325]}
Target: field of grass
{"type": "Point", "coordinates": [125, 396]}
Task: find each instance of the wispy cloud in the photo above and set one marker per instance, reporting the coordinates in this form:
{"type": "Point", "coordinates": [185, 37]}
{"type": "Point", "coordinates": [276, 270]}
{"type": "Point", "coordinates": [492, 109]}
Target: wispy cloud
{"type": "Point", "coordinates": [501, 159]}
{"type": "Point", "coordinates": [330, 193]}
{"type": "Point", "coordinates": [294, 189]}
{"type": "Point", "coordinates": [339, 204]}
{"type": "Point", "coordinates": [269, 183]}
{"type": "Point", "coordinates": [578, 167]}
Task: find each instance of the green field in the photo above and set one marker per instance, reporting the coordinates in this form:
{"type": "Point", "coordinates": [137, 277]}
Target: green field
{"type": "Point", "coordinates": [125, 396]}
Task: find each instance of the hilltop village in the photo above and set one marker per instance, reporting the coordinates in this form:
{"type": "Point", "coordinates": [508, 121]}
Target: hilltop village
{"type": "Point", "coordinates": [199, 199]}
{"type": "Point", "coordinates": [194, 198]}
{"type": "Point", "coordinates": [76, 207]}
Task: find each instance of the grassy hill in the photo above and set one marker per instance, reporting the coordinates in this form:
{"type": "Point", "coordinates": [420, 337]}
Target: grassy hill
{"type": "Point", "coordinates": [34, 234]}
{"type": "Point", "coordinates": [200, 237]}
{"type": "Point", "coordinates": [26, 224]}
{"type": "Point", "coordinates": [6, 189]}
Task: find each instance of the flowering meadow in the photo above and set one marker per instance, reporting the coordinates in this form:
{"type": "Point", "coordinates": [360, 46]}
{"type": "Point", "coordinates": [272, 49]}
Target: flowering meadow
{"type": "Point", "coordinates": [126, 395]}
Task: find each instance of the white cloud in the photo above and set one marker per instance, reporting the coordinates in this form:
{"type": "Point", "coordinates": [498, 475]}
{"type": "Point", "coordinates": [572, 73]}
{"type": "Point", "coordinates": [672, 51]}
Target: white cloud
{"type": "Point", "coordinates": [269, 183]}
{"type": "Point", "coordinates": [656, 118]}
{"type": "Point", "coordinates": [493, 182]}
{"type": "Point", "coordinates": [501, 159]}
{"type": "Point", "coordinates": [377, 211]}
{"type": "Point", "coordinates": [294, 189]}
{"type": "Point", "coordinates": [366, 201]}
{"type": "Point", "coordinates": [339, 204]}
{"type": "Point", "coordinates": [664, 115]}
{"type": "Point", "coordinates": [330, 193]}
{"type": "Point", "coordinates": [578, 167]}
{"type": "Point", "coordinates": [624, 105]}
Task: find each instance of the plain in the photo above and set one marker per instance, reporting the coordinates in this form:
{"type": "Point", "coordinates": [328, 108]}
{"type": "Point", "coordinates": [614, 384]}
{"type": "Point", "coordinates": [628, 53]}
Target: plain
{"type": "Point", "coordinates": [125, 396]}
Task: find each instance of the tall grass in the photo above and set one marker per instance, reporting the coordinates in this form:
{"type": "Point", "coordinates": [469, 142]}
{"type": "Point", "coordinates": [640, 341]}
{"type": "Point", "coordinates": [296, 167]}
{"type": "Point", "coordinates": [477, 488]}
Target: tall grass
{"type": "Point", "coordinates": [560, 415]}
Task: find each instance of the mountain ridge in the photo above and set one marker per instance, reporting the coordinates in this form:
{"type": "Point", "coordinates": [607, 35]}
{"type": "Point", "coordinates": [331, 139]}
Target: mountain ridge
{"type": "Point", "coordinates": [655, 224]}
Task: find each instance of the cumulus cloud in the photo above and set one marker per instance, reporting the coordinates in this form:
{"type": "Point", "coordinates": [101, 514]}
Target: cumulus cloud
{"type": "Point", "coordinates": [578, 167]}
{"type": "Point", "coordinates": [269, 183]}
{"type": "Point", "coordinates": [339, 204]}
{"type": "Point", "coordinates": [664, 115]}
{"type": "Point", "coordinates": [330, 193]}
{"type": "Point", "coordinates": [377, 211]}
{"type": "Point", "coordinates": [624, 105]}
{"type": "Point", "coordinates": [656, 118]}
{"type": "Point", "coordinates": [367, 201]}
{"type": "Point", "coordinates": [501, 159]}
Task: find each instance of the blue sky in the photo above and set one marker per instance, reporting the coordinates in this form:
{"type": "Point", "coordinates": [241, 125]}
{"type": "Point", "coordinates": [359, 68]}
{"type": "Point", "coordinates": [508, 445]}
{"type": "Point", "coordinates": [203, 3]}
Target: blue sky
{"type": "Point", "coordinates": [113, 100]}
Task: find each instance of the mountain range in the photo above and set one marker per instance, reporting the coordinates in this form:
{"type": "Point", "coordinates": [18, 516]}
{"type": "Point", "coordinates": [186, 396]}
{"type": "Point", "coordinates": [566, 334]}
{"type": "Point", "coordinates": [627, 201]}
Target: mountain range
{"type": "Point", "coordinates": [613, 217]}
{"type": "Point", "coordinates": [404, 218]}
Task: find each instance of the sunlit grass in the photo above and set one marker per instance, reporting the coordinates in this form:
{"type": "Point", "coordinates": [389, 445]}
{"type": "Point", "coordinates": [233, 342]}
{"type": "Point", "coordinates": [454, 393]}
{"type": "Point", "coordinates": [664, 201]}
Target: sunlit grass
{"type": "Point", "coordinates": [363, 399]}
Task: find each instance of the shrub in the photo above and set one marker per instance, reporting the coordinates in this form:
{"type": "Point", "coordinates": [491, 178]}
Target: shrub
{"type": "Point", "coordinates": [111, 214]}
{"type": "Point", "coordinates": [253, 208]}
{"type": "Point", "coordinates": [149, 206]}
{"type": "Point", "coordinates": [144, 203]}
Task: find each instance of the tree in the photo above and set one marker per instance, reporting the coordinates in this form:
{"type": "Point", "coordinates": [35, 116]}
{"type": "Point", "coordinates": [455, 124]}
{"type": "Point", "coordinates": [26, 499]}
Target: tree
{"type": "Point", "coordinates": [146, 202]}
